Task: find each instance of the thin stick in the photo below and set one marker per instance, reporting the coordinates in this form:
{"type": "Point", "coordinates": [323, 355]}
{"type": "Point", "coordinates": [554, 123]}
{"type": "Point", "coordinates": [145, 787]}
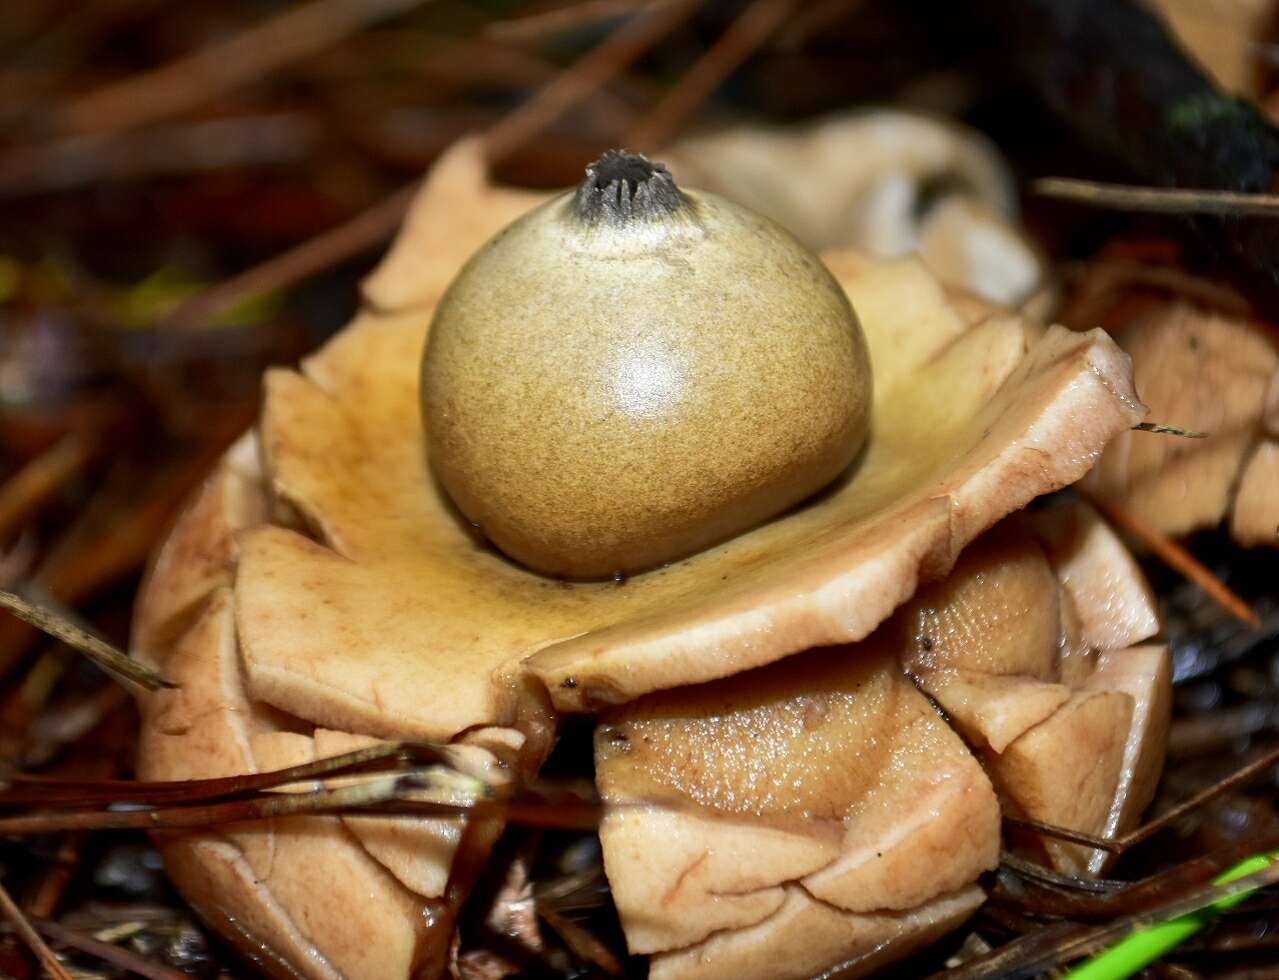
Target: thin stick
{"type": "Point", "coordinates": [1156, 200]}
{"type": "Point", "coordinates": [32, 938]}
{"type": "Point", "coordinates": [1117, 845]}
{"type": "Point", "coordinates": [383, 797]}
{"type": "Point", "coordinates": [366, 230]}
{"type": "Point", "coordinates": [1079, 903]}
{"type": "Point", "coordinates": [1143, 946]}
{"type": "Point", "coordinates": [1028, 957]}
{"type": "Point", "coordinates": [28, 489]}
{"type": "Point", "coordinates": [366, 796]}
{"type": "Point", "coordinates": [102, 653]}
{"type": "Point", "coordinates": [750, 30]}
{"type": "Point", "coordinates": [113, 534]}
{"type": "Point", "coordinates": [27, 789]}
{"type": "Point", "coordinates": [533, 26]}
{"type": "Point", "coordinates": [108, 953]}
{"type": "Point", "coordinates": [1239, 777]}
{"type": "Point", "coordinates": [1175, 556]}
{"type": "Point", "coordinates": [998, 963]}
{"type": "Point", "coordinates": [1203, 898]}
{"type": "Point", "coordinates": [1055, 879]}
{"type": "Point", "coordinates": [378, 222]}
{"type": "Point", "coordinates": [264, 48]}
{"type": "Point", "coordinates": [374, 798]}
{"type": "Point", "coordinates": [596, 68]}
{"type": "Point", "coordinates": [582, 941]}
{"type": "Point", "coordinates": [57, 876]}
{"type": "Point", "coordinates": [1161, 428]}
{"type": "Point", "coordinates": [814, 16]}
{"type": "Point", "coordinates": [34, 69]}
{"type": "Point", "coordinates": [214, 144]}
{"type": "Point", "coordinates": [1066, 834]}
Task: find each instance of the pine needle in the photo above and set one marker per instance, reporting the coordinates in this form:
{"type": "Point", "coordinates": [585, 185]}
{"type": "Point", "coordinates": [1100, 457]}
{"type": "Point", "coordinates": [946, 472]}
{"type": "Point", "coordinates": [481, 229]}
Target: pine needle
{"type": "Point", "coordinates": [9, 909]}
{"type": "Point", "coordinates": [1176, 556]}
{"type": "Point", "coordinates": [1157, 200]}
{"type": "Point", "coordinates": [115, 955]}
{"type": "Point", "coordinates": [378, 222]}
{"type": "Point", "coordinates": [119, 665]}
{"type": "Point", "coordinates": [754, 26]}
{"type": "Point", "coordinates": [1169, 430]}
{"type": "Point", "coordinates": [298, 31]}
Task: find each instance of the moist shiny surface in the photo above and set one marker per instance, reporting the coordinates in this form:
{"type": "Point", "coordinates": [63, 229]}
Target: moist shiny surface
{"type": "Point", "coordinates": [604, 398]}
{"type": "Point", "coordinates": [799, 738]}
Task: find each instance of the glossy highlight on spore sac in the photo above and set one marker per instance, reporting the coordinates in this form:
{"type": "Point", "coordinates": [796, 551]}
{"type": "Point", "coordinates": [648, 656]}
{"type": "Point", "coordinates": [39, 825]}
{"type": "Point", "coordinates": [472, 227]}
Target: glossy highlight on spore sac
{"type": "Point", "coordinates": [634, 372]}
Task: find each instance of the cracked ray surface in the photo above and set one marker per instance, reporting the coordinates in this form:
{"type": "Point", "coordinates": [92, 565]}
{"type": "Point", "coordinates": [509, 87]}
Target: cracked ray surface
{"type": "Point", "coordinates": [821, 803]}
{"type": "Point", "coordinates": [351, 603]}
{"type": "Point", "coordinates": [439, 633]}
{"type": "Point", "coordinates": [1209, 373]}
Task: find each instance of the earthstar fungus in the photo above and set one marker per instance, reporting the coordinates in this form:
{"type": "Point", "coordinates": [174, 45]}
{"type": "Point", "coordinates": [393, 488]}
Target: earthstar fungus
{"type": "Point", "coordinates": [322, 591]}
{"type": "Point", "coordinates": [632, 373]}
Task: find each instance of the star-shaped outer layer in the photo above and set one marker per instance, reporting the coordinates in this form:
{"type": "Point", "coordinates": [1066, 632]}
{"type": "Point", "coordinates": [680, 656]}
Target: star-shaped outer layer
{"type": "Point", "coordinates": [317, 897]}
{"type": "Point", "coordinates": [818, 815]}
{"type": "Point", "coordinates": [1218, 375]}
{"type": "Point", "coordinates": [381, 613]}
{"type": "Point", "coordinates": [320, 592]}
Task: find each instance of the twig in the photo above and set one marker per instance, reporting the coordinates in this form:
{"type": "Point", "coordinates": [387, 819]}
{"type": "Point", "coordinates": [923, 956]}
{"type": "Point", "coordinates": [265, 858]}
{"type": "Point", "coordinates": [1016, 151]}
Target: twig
{"type": "Point", "coordinates": [371, 797]}
{"type": "Point", "coordinates": [1209, 292]}
{"type": "Point", "coordinates": [28, 489]}
{"type": "Point", "coordinates": [582, 942]}
{"type": "Point", "coordinates": [1176, 556]}
{"type": "Point", "coordinates": [596, 68]}
{"type": "Point", "coordinates": [26, 789]}
{"type": "Point", "coordinates": [1239, 777]}
{"type": "Point", "coordinates": [258, 51]}
{"type": "Point", "coordinates": [117, 530]}
{"type": "Point", "coordinates": [1204, 733]}
{"type": "Point", "coordinates": [57, 875]}
{"type": "Point", "coordinates": [812, 17]}
{"type": "Point", "coordinates": [1117, 845]}
{"type": "Point", "coordinates": [366, 230]}
{"type": "Point", "coordinates": [750, 30]}
{"type": "Point", "coordinates": [1103, 936]}
{"type": "Point", "coordinates": [538, 25]}
{"type": "Point", "coordinates": [1047, 876]}
{"type": "Point", "coordinates": [102, 653]}
{"type": "Point", "coordinates": [49, 57]}
{"type": "Point", "coordinates": [15, 564]}
{"type": "Point", "coordinates": [108, 952]}
{"type": "Point", "coordinates": [1028, 957]}
{"type": "Point", "coordinates": [248, 797]}
{"type": "Point", "coordinates": [1143, 946]}
{"type": "Point", "coordinates": [386, 797]}
{"type": "Point", "coordinates": [1156, 200]}
{"type": "Point", "coordinates": [1065, 833]}
{"type": "Point", "coordinates": [53, 730]}
{"type": "Point", "coordinates": [378, 222]}
{"type": "Point", "coordinates": [1162, 428]}
{"type": "Point", "coordinates": [32, 938]}
{"type": "Point", "coordinates": [77, 161]}
{"type": "Point", "coordinates": [989, 965]}
{"type": "Point", "coordinates": [1077, 903]}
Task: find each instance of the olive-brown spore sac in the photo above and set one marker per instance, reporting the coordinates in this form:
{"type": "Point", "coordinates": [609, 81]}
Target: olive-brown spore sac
{"type": "Point", "coordinates": [631, 373]}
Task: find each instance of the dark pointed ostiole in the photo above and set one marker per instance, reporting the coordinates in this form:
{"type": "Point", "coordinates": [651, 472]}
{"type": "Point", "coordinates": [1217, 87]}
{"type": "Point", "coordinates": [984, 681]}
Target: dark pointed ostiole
{"type": "Point", "coordinates": [621, 187]}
